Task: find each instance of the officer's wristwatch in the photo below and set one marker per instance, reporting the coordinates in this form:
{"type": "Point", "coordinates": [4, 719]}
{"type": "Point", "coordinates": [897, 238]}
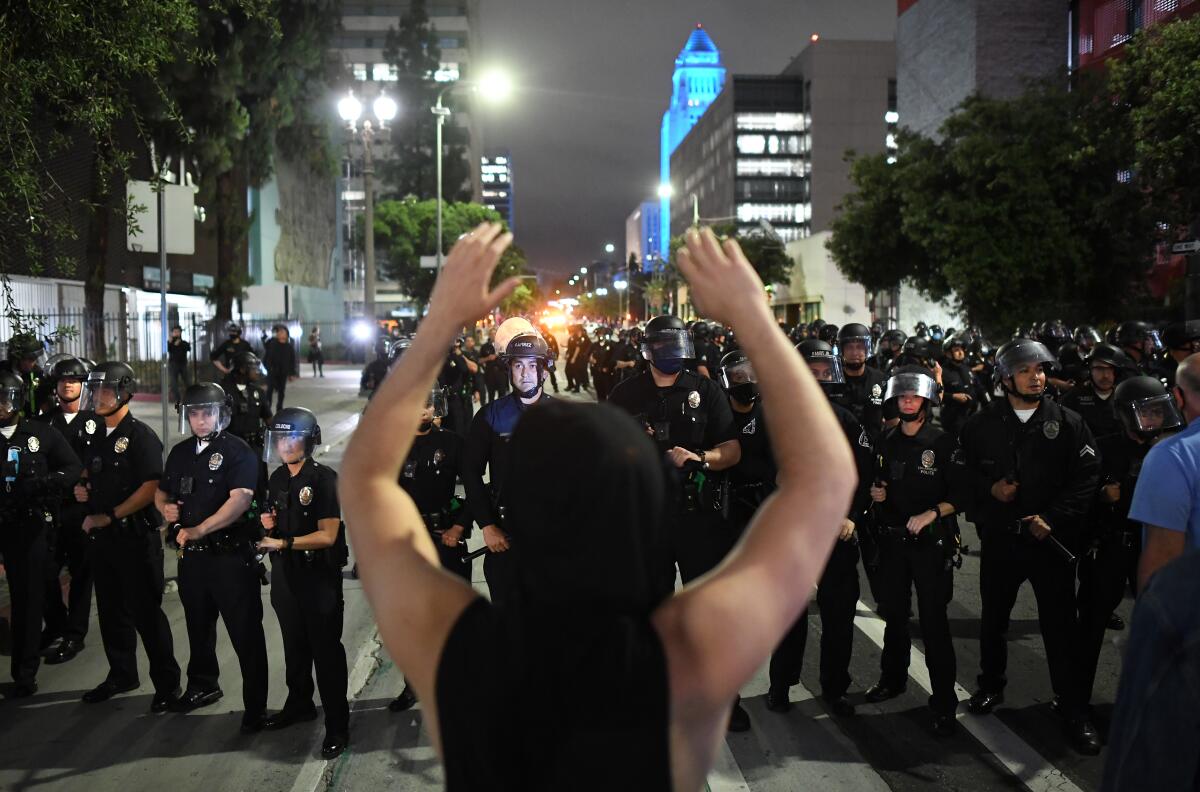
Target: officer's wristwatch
{"type": "Point", "coordinates": [289, 541]}
{"type": "Point", "coordinates": [703, 462]}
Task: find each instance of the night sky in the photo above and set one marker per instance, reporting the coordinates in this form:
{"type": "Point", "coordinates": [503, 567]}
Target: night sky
{"type": "Point", "coordinates": [593, 79]}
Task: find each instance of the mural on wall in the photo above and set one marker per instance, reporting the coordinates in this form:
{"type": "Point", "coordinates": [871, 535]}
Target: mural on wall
{"type": "Point", "coordinates": [307, 226]}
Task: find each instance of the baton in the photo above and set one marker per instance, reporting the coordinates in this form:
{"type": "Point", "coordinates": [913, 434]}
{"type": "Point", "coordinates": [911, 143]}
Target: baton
{"type": "Point", "coordinates": [1059, 547]}
{"type": "Point", "coordinates": [469, 557]}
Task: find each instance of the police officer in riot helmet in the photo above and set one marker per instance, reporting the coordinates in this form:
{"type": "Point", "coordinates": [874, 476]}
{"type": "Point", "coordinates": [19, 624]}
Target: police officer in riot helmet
{"type": "Point", "coordinates": [1141, 343]}
{"type": "Point", "coordinates": [890, 344]}
{"type": "Point", "coordinates": [876, 331]}
{"type": "Point", "coordinates": [864, 383]}
{"type": "Point", "coordinates": [375, 371]}
{"type": "Point", "coordinates": [1106, 367]}
{"type": "Point", "coordinates": [431, 471]}
{"type": "Point", "coordinates": [917, 485]}
{"type": "Point", "coordinates": [25, 355]}
{"type": "Point", "coordinates": [1034, 468]}
{"type": "Point", "coordinates": [828, 333]}
{"type": "Point", "coordinates": [1053, 334]}
{"type": "Point", "coordinates": [308, 550]}
{"type": "Point", "coordinates": [205, 497]}
{"type": "Point", "coordinates": [1146, 411]}
{"type": "Point", "coordinates": [1180, 339]}
{"type": "Point", "coordinates": [458, 379]}
{"type": "Point", "coordinates": [251, 408]}
{"type": "Point", "coordinates": [121, 476]}
{"type": "Point", "coordinates": [67, 624]}
{"type": "Point", "coordinates": [39, 469]}
{"type": "Point", "coordinates": [1086, 337]}
{"type": "Point", "coordinates": [601, 362]}
{"type": "Point", "coordinates": [222, 356]}
{"type": "Point", "coordinates": [958, 381]}
{"type": "Point", "coordinates": [838, 588]}
{"type": "Point", "coordinates": [487, 447]}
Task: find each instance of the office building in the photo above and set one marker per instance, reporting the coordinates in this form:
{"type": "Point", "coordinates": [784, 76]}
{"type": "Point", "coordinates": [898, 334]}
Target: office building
{"type": "Point", "coordinates": [497, 179]}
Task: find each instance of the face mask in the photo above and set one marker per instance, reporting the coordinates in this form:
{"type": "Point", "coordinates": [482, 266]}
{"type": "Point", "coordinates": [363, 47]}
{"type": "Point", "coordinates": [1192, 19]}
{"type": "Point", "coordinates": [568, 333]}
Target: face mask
{"type": "Point", "coordinates": [745, 392]}
{"type": "Point", "coordinates": [425, 426]}
{"type": "Point", "coordinates": [672, 366]}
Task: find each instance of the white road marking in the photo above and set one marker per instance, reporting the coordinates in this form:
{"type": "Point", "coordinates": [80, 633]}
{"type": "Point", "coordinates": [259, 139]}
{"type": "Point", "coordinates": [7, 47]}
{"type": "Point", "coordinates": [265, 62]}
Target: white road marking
{"type": "Point", "coordinates": [726, 776]}
{"type": "Point", "coordinates": [1029, 766]}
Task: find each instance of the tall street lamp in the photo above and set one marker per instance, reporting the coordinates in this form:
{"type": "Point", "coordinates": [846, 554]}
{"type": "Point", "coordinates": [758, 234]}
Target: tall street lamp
{"type": "Point", "coordinates": [350, 109]}
{"type": "Point", "coordinates": [493, 86]}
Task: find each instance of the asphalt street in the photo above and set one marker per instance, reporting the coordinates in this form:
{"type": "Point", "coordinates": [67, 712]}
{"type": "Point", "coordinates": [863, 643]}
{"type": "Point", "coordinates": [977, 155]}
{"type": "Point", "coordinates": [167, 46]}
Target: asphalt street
{"type": "Point", "coordinates": [52, 741]}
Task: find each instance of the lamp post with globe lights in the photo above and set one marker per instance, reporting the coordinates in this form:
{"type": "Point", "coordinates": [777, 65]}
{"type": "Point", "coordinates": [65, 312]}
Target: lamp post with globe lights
{"type": "Point", "coordinates": [384, 109]}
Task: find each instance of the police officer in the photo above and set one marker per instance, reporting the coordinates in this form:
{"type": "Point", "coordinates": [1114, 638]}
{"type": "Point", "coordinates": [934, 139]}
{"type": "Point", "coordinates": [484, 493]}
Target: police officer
{"type": "Point", "coordinates": [1141, 343]}
{"type": "Point", "coordinates": [429, 476]}
{"type": "Point", "coordinates": [308, 551]}
{"type": "Point", "coordinates": [282, 364]}
{"type": "Point", "coordinates": [251, 407]}
{"type": "Point", "coordinates": [838, 588]}
{"type": "Point", "coordinates": [958, 383]}
{"type": "Point", "coordinates": [1106, 367]}
{"type": "Point", "coordinates": [1032, 470]}
{"type": "Point", "coordinates": [863, 395]}
{"type": "Point", "coordinates": [487, 447]}
{"type": "Point", "coordinates": [121, 476]}
{"type": "Point", "coordinates": [890, 344]}
{"type": "Point", "coordinates": [552, 363]}
{"type": "Point", "coordinates": [39, 468]}
{"type": "Point", "coordinates": [601, 363]}
{"type": "Point", "coordinates": [708, 354]}
{"type": "Point", "coordinates": [205, 496]}
{"type": "Point", "coordinates": [916, 486]}
{"type": "Point", "coordinates": [25, 354]}
{"type": "Point", "coordinates": [374, 372]}
{"type": "Point", "coordinates": [1146, 411]}
{"type": "Point", "coordinates": [1181, 339]}
{"type": "Point", "coordinates": [457, 378]}
{"type": "Point", "coordinates": [68, 623]}
{"type": "Point", "coordinates": [689, 419]}
{"type": "Point", "coordinates": [495, 373]}
{"type": "Point", "coordinates": [222, 356]}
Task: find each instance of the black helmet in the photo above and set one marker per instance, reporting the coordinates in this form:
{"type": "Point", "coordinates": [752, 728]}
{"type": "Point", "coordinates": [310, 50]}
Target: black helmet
{"type": "Point", "coordinates": [291, 423]}
{"type": "Point", "coordinates": [402, 344]}
{"type": "Point", "coordinates": [700, 330]}
{"type": "Point", "coordinates": [855, 333]}
{"type": "Point", "coordinates": [71, 368]}
{"type": "Point", "coordinates": [1146, 408]}
{"type": "Point", "coordinates": [1182, 335]}
{"type": "Point", "coordinates": [828, 333]}
{"type": "Point", "coordinates": [916, 347]}
{"type": "Point", "coordinates": [737, 377]}
{"type": "Point", "coordinates": [894, 339]}
{"type": "Point", "coordinates": [1112, 356]}
{"type": "Point", "coordinates": [1053, 334]}
{"type": "Point", "coordinates": [814, 350]}
{"type": "Point", "coordinates": [1017, 353]}
{"type": "Point", "coordinates": [233, 329]}
{"type": "Point", "coordinates": [12, 392]}
{"type": "Point", "coordinates": [112, 375]}
{"type": "Point", "coordinates": [952, 341]}
{"type": "Point", "coordinates": [1134, 332]}
{"type": "Point", "coordinates": [912, 380]}
{"type": "Point", "coordinates": [199, 398]}
{"type": "Point", "coordinates": [876, 329]}
{"type": "Point", "coordinates": [1087, 337]}
{"type": "Point", "coordinates": [667, 340]}
{"type": "Point", "coordinates": [526, 345]}
{"type": "Point", "coordinates": [246, 364]}
{"type": "Point", "coordinates": [25, 346]}
{"type": "Point", "coordinates": [936, 333]}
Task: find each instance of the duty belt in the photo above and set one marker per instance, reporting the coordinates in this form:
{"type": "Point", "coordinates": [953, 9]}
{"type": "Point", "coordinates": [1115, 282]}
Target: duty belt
{"type": "Point", "coordinates": [436, 521]}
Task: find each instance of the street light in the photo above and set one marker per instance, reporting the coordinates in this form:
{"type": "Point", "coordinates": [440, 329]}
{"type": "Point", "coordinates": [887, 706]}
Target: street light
{"type": "Point", "coordinates": [610, 248]}
{"type": "Point", "coordinates": [583, 270]}
{"type": "Point", "coordinates": [350, 109]}
{"type": "Point", "coordinates": [666, 192]}
{"type": "Point", "coordinates": [621, 286]}
{"type": "Point", "coordinates": [493, 86]}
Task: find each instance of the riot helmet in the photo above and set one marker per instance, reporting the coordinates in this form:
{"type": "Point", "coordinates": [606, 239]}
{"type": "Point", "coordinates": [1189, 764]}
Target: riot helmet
{"type": "Point", "coordinates": [1182, 336]}
{"type": "Point", "coordinates": [291, 436]}
{"type": "Point", "coordinates": [69, 374]}
{"type": "Point", "coordinates": [1016, 355]}
{"type": "Point", "coordinates": [1140, 336]}
{"type": "Point", "coordinates": [829, 334]}
{"type": "Point", "coordinates": [1086, 337]}
{"type": "Point", "coordinates": [109, 387]}
{"type": "Point", "coordinates": [667, 344]}
{"type": "Point", "coordinates": [26, 351]}
{"type": "Point", "coordinates": [526, 346]}
{"type": "Point", "coordinates": [824, 364]}
{"type": "Point", "coordinates": [854, 344]}
{"type": "Point", "coordinates": [1146, 408]}
{"type": "Point", "coordinates": [233, 330]}
{"type": "Point", "coordinates": [737, 377]}
{"type": "Point", "coordinates": [12, 396]}
{"type": "Point", "coordinates": [434, 408]}
{"type": "Point", "coordinates": [912, 380]}
{"type": "Point", "coordinates": [205, 410]}
{"type": "Point", "coordinates": [246, 367]}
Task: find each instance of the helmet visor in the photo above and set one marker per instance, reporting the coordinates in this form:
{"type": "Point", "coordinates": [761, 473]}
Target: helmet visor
{"type": "Point", "coordinates": [435, 404]}
{"type": "Point", "coordinates": [737, 374]}
{"type": "Point", "coordinates": [911, 385]}
{"type": "Point", "coordinates": [855, 348]}
{"type": "Point", "coordinates": [668, 345]}
{"type": "Point", "coordinates": [286, 446]}
{"type": "Point", "coordinates": [1026, 354]}
{"type": "Point", "coordinates": [1155, 415]}
{"type": "Point", "coordinates": [205, 419]}
{"type": "Point", "coordinates": [100, 397]}
{"type": "Point", "coordinates": [1156, 344]}
{"type": "Point", "coordinates": [827, 369]}
{"type": "Point", "coordinates": [10, 400]}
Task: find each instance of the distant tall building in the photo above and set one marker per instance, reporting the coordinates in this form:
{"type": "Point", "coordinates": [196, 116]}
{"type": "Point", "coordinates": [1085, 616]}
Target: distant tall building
{"type": "Point", "coordinates": [642, 233]}
{"type": "Point", "coordinates": [698, 79]}
{"type": "Point", "coordinates": [496, 175]}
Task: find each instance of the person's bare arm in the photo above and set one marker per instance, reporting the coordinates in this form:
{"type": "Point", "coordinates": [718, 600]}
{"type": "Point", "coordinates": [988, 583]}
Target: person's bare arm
{"type": "Point", "coordinates": [718, 631]}
{"type": "Point", "coordinates": [1161, 548]}
{"type": "Point", "coordinates": [415, 602]}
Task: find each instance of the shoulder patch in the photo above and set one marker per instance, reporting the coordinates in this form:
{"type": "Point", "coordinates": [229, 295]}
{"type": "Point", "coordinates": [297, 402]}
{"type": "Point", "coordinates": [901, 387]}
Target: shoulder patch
{"type": "Point", "coordinates": [863, 440]}
{"type": "Point", "coordinates": [751, 427]}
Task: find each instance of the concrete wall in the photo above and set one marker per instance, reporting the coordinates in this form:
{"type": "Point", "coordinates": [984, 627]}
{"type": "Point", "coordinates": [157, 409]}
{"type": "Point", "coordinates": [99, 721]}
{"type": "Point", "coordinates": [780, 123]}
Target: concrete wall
{"type": "Point", "coordinates": [816, 279]}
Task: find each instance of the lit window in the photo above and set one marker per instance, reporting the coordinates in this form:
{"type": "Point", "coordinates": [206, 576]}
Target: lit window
{"type": "Point", "coordinates": [891, 116]}
{"type": "Point", "coordinates": [773, 122]}
{"type": "Point", "coordinates": [891, 141]}
{"type": "Point", "coordinates": [447, 72]}
{"type": "Point", "coordinates": [383, 72]}
{"type": "Point", "coordinates": [779, 167]}
{"type": "Point", "coordinates": [501, 160]}
{"type": "Point", "coordinates": [751, 144]}
{"type": "Point", "coordinates": [891, 160]}
{"type": "Point", "coordinates": [360, 71]}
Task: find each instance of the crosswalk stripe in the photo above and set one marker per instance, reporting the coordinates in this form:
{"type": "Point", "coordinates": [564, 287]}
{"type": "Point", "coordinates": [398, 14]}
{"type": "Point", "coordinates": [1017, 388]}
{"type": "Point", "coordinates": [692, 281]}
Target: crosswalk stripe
{"type": "Point", "coordinates": [726, 776]}
{"type": "Point", "coordinates": [1029, 766]}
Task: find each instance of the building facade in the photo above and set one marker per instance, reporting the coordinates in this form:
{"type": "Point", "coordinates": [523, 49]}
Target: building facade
{"type": "Point", "coordinates": [697, 81]}
{"type": "Point", "coordinates": [497, 178]}
{"type": "Point", "coordinates": [1100, 28]}
{"type": "Point", "coordinates": [642, 232]}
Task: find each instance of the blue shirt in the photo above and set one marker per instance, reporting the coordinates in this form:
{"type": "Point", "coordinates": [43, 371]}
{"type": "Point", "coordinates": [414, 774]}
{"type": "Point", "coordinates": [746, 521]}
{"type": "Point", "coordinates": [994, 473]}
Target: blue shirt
{"type": "Point", "coordinates": [1168, 488]}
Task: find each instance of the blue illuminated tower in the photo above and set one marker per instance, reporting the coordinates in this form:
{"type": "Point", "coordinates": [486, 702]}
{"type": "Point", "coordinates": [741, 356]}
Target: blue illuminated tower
{"type": "Point", "coordinates": [698, 79]}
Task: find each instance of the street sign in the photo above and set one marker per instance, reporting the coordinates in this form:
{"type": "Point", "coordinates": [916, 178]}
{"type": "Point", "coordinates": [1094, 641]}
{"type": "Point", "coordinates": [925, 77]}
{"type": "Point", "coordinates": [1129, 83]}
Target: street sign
{"type": "Point", "coordinates": [428, 262]}
{"type": "Point", "coordinates": [180, 220]}
{"type": "Point", "coordinates": [1186, 247]}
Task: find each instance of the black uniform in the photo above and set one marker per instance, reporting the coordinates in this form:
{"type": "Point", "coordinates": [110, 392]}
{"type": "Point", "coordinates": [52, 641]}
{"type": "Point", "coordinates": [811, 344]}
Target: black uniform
{"type": "Point", "coordinates": [837, 591]}
{"type": "Point", "coordinates": [863, 397]}
{"type": "Point", "coordinates": [127, 558]}
{"type": "Point", "coordinates": [956, 378]}
{"type": "Point", "coordinates": [39, 469]}
{"type": "Point", "coordinates": [251, 410]}
{"type": "Point", "coordinates": [1111, 548]}
{"type": "Point", "coordinates": [920, 472]}
{"type": "Point", "coordinates": [457, 381]}
{"type": "Point", "coordinates": [602, 366]}
{"type": "Point", "coordinates": [429, 476]}
{"type": "Point", "coordinates": [708, 355]}
{"type": "Point", "coordinates": [552, 361]}
{"type": "Point", "coordinates": [217, 573]}
{"type": "Point", "coordinates": [177, 358]}
{"type": "Point", "coordinates": [487, 446]}
{"type": "Point", "coordinates": [281, 362]}
{"type": "Point", "coordinates": [1100, 414]}
{"type": "Point", "coordinates": [495, 373]}
{"type": "Point", "coordinates": [70, 620]}
{"type": "Point", "coordinates": [373, 375]}
{"type": "Point", "coordinates": [693, 413]}
{"type": "Point", "coordinates": [228, 348]}
{"type": "Point", "coordinates": [306, 592]}
{"type": "Point", "coordinates": [1053, 457]}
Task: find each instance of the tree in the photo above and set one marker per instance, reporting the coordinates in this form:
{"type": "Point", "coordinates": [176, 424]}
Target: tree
{"type": "Point", "coordinates": [413, 51]}
{"type": "Point", "coordinates": [519, 302]}
{"type": "Point", "coordinates": [764, 250]}
{"type": "Point", "coordinates": [1157, 83]}
{"type": "Point", "coordinates": [76, 75]}
{"type": "Point", "coordinates": [406, 229]}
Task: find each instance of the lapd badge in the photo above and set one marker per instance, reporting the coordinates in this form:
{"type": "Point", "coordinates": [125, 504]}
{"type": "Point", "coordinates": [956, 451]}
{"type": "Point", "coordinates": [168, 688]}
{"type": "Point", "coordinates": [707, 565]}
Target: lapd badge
{"type": "Point", "coordinates": [876, 391]}
{"type": "Point", "coordinates": [90, 426]}
{"type": "Point", "coordinates": [305, 496]}
{"type": "Point", "coordinates": [1050, 429]}
{"type": "Point", "coordinates": [438, 456]}
{"type": "Point", "coordinates": [694, 399]}
{"type": "Point", "coordinates": [34, 444]}
{"type": "Point", "coordinates": [121, 444]}
{"type": "Point", "coordinates": [215, 461]}
{"type": "Point", "coordinates": [927, 459]}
